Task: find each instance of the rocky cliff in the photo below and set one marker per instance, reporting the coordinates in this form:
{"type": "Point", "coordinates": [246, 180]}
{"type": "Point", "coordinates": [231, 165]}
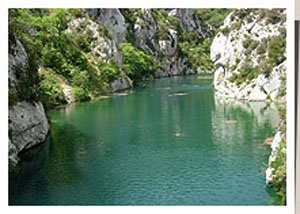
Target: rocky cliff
{"type": "Point", "coordinates": [28, 125]}
{"type": "Point", "coordinates": [168, 36]}
{"type": "Point", "coordinates": [67, 55]}
{"type": "Point", "coordinates": [103, 42]}
{"type": "Point", "coordinates": [155, 31]}
{"type": "Point", "coordinates": [249, 53]}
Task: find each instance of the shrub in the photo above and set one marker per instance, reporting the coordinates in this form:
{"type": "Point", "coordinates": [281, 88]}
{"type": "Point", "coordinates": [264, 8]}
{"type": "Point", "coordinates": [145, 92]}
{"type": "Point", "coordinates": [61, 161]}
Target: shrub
{"type": "Point", "coordinates": [282, 89]}
{"type": "Point", "coordinates": [12, 97]}
{"type": "Point", "coordinates": [27, 86]}
{"type": "Point", "coordinates": [198, 55]}
{"type": "Point", "coordinates": [79, 78]}
{"type": "Point", "coordinates": [214, 18]}
{"type": "Point", "coordinates": [247, 73]}
{"type": "Point", "coordinates": [51, 89]}
{"type": "Point", "coordinates": [279, 172]}
{"type": "Point", "coordinates": [247, 42]}
{"type": "Point", "coordinates": [236, 26]}
{"type": "Point", "coordinates": [108, 72]}
{"type": "Point", "coordinates": [276, 49]}
{"type": "Point", "coordinates": [52, 57]}
{"type": "Point", "coordinates": [281, 111]}
{"type": "Point", "coordinates": [266, 67]}
{"type": "Point", "coordinates": [83, 43]}
{"type": "Point", "coordinates": [80, 94]}
{"type": "Point", "coordinates": [262, 47]}
{"type": "Point", "coordinates": [225, 31]}
{"type": "Point", "coordinates": [136, 63]}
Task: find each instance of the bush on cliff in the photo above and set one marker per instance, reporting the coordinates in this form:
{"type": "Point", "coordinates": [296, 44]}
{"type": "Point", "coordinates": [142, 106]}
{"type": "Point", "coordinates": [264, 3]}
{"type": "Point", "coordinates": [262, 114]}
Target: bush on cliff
{"type": "Point", "coordinates": [279, 171]}
{"type": "Point", "coordinates": [137, 64]}
{"type": "Point", "coordinates": [198, 54]}
{"type": "Point", "coordinates": [47, 42]}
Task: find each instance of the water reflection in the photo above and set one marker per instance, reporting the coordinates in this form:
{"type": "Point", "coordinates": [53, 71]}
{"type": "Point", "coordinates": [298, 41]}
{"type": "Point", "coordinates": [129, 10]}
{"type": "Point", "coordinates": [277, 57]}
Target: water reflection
{"type": "Point", "coordinates": [152, 148]}
{"type": "Point", "coordinates": [54, 164]}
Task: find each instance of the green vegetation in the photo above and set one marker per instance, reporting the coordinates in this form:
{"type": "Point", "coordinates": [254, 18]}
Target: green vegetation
{"type": "Point", "coordinates": [282, 89]}
{"type": "Point", "coordinates": [27, 86]}
{"type": "Point", "coordinates": [246, 74]}
{"type": "Point", "coordinates": [164, 23]}
{"type": "Point", "coordinates": [212, 18]}
{"type": "Point", "coordinates": [61, 53]}
{"type": "Point", "coordinates": [137, 64]}
{"type": "Point", "coordinates": [272, 16]}
{"type": "Point", "coordinates": [271, 53]}
{"type": "Point", "coordinates": [276, 50]}
{"type": "Point", "coordinates": [198, 55]}
{"type": "Point", "coordinates": [279, 180]}
{"type": "Point", "coordinates": [130, 16]}
{"type": "Point", "coordinates": [282, 112]}
{"type": "Point", "coordinates": [51, 86]}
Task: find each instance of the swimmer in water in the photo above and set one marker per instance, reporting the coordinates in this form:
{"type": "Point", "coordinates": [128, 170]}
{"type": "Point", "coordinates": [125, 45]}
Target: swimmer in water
{"type": "Point", "coordinates": [178, 134]}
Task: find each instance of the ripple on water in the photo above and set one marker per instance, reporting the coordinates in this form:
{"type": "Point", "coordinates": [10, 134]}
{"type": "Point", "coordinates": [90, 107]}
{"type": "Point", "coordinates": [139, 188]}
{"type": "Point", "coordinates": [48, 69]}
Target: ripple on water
{"type": "Point", "coordinates": [189, 149]}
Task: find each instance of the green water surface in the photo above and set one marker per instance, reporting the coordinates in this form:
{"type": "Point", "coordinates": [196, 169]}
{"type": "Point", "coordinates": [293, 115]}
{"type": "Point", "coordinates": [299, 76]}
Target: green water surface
{"type": "Point", "coordinates": [168, 142]}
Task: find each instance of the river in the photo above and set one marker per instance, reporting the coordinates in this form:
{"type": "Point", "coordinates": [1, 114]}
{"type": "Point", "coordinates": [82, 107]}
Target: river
{"type": "Point", "coordinates": [167, 142]}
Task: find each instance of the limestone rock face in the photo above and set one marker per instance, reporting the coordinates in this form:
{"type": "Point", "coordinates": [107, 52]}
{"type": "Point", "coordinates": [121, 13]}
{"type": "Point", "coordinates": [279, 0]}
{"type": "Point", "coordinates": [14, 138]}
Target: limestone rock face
{"type": "Point", "coordinates": [122, 83]}
{"type": "Point", "coordinates": [274, 153]}
{"type": "Point", "coordinates": [112, 19]}
{"type": "Point", "coordinates": [237, 45]}
{"type": "Point", "coordinates": [258, 89]}
{"type": "Point", "coordinates": [148, 35]}
{"type": "Point", "coordinates": [28, 125]}
{"type": "Point", "coordinates": [17, 58]}
{"type": "Point", "coordinates": [12, 153]}
{"type": "Point", "coordinates": [146, 30]}
{"type": "Point", "coordinates": [188, 21]}
{"type": "Point", "coordinates": [173, 67]}
{"type": "Point", "coordinates": [102, 45]}
{"type": "Point", "coordinates": [67, 90]}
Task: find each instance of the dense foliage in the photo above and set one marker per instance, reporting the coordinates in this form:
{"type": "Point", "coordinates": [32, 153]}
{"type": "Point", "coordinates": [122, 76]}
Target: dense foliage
{"type": "Point", "coordinates": [279, 171]}
{"type": "Point", "coordinates": [213, 18]}
{"type": "Point", "coordinates": [198, 54]}
{"type": "Point", "coordinates": [137, 64]}
{"type": "Point", "coordinates": [59, 53]}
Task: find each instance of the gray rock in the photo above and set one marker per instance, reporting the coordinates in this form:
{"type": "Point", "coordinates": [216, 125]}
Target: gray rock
{"type": "Point", "coordinates": [102, 46]}
{"type": "Point", "coordinates": [28, 125]}
{"type": "Point", "coordinates": [17, 58]}
{"type": "Point", "coordinates": [112, 19]}
{"type": "Point", "coordinates": [121, 83]}
{"type": "Point", "coordinates": [145, 30]}
{"type": "Point", "coordinates": [12, 153]}
{"type": "Point", "coordinates": [172, 67]}
{"type": "Point", "coordinates": [188, 21]}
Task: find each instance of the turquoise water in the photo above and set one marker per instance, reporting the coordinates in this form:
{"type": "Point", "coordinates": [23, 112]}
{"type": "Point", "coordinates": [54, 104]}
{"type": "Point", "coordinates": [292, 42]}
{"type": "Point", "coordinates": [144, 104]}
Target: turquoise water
{"type": "Point", "coordinates": [168, 142]}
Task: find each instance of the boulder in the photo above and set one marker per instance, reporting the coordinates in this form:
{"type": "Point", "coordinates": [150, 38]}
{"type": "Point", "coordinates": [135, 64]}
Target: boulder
{"type": "Point", "coordinates": [121, 83]}
{"type": "Point", "coordinates": [28, 125]}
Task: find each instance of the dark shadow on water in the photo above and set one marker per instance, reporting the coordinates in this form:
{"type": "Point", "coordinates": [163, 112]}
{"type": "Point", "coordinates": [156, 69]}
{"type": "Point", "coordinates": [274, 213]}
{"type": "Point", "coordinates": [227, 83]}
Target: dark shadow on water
{"type": "Point", "coordinates": [38, 165]}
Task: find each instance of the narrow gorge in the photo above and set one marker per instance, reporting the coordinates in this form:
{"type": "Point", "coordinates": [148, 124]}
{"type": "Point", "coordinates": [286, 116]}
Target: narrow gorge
{"type": "Point", "coordinates": [136, 77]}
